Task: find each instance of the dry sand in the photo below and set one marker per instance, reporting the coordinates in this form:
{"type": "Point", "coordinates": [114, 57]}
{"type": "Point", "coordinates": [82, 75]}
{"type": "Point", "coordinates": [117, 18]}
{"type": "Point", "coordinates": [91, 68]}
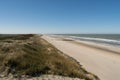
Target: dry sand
{"type": "Point", "coordinates": [101, 60]}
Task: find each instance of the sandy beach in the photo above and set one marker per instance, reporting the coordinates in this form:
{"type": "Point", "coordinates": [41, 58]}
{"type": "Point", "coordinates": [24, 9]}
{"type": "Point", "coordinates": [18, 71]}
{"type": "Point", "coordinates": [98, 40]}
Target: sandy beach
{"type": "Point", "coordinates": [101, 60]}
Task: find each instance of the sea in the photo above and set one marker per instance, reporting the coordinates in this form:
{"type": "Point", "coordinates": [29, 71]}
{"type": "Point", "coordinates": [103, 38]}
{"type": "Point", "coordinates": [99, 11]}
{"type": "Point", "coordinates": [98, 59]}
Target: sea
{"type": "Point", "coordinates": [108, 39]}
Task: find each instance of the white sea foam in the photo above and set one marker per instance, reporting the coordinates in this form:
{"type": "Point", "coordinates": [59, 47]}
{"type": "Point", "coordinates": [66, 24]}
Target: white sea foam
{"type": "Point", "coordinates": [97, 39]}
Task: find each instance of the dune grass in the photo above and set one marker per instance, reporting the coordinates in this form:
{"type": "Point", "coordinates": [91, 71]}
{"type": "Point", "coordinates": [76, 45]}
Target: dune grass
{"type": "Point", "coordinates": [31, 55]}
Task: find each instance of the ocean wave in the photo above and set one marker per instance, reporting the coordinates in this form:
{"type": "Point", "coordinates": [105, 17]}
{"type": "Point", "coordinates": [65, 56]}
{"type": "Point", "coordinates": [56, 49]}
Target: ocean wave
{"type": "Point", "coordinates": [96, 39]}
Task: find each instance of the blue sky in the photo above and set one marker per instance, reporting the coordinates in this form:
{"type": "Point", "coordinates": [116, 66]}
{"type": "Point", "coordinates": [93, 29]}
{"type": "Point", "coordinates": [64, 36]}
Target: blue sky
{"type": "Point", "coordinates": [59, 16]}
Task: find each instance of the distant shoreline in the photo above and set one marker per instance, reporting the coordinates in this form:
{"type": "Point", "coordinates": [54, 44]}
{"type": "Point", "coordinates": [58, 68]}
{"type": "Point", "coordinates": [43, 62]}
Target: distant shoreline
{"type": "Point", "coordinates": [107, 39]}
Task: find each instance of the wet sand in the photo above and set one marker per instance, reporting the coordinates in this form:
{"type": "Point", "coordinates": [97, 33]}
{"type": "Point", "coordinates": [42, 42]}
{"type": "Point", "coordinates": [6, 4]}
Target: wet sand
{"type": "Point", "coordinates": [101, 60]}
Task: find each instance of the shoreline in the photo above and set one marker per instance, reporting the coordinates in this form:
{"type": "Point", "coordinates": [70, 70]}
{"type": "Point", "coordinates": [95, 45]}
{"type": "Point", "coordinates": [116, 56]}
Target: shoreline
{"type": "Point", "coordinates": [102, 46]}
{"type": "Point", "coordinates": [101, 60]}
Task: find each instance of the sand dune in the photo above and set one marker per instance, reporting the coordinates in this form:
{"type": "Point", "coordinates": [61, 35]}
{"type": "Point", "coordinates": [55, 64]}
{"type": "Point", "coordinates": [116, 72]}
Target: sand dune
{"type": "Point", "coordinates": [104, 61]}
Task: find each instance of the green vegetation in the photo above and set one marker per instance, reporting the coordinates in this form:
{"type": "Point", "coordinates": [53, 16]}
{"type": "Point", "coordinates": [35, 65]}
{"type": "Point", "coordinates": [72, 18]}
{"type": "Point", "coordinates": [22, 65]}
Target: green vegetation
{"type": "Point", "coordinates": [31, 55]}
